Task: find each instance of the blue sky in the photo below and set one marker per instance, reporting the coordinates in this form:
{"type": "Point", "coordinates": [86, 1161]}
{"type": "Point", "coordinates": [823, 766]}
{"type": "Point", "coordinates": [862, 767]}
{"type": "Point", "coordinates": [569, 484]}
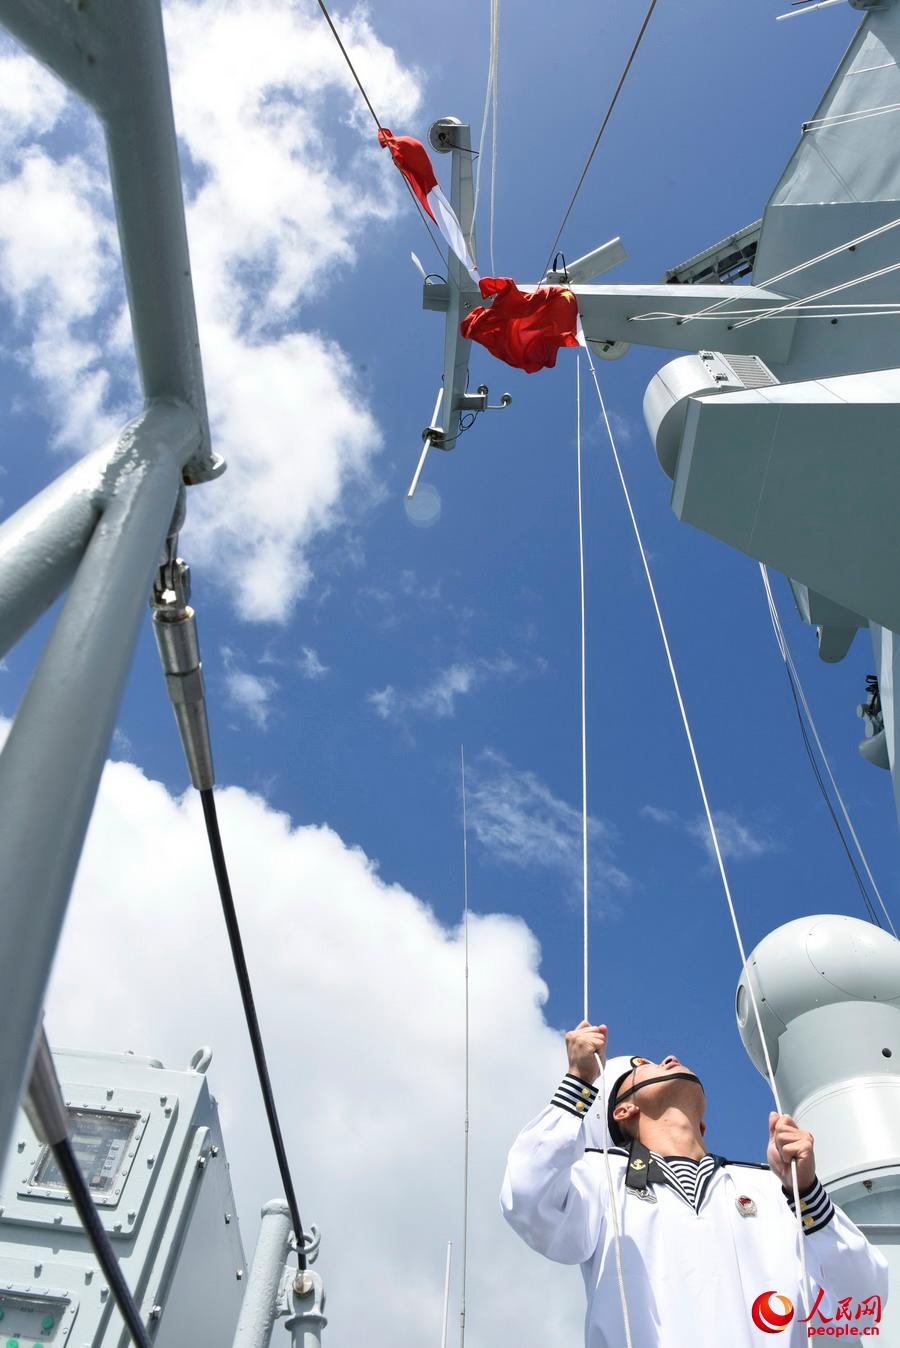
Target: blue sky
{"type": "Point", "coordinates": [471, 624]}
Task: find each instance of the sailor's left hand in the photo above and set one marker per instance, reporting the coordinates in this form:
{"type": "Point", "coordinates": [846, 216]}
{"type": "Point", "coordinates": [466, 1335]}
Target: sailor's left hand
{"type": "Point", "coordinates": [788, 1142]}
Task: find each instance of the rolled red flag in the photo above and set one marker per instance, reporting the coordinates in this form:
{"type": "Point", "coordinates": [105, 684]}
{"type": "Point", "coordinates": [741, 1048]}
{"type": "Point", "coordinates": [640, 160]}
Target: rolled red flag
{"type": "Point", "coordinates": [524, 329]}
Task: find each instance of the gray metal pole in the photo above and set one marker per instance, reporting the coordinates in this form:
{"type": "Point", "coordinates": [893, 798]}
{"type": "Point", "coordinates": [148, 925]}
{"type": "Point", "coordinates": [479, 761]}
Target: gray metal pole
{"type": "Point", "coordinates": [51, 764]}
{"type": "Point", "coordinates": [114, 56]}
{"type": "Point", "coordinates": [43, 543]}
{"type": "Point", "coordinates": [260, 1306]}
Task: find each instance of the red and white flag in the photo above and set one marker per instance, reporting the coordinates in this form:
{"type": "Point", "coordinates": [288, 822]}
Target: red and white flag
{"type": "Point", "coordinates": [412, 160]}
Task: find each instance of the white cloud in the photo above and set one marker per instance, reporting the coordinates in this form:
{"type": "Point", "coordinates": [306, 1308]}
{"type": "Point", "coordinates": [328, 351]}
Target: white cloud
{"type": "Point", "coordinates": [384, 702]}
{"type": "Point", "coordinates": [360, 993]}
{"type": "Point", "coordinates": [31, 101]}
{"type": "Point", "coordinates": [738, 839]}
{"type": "Point", "coordinates": [250, 693]}
{"type": "Point", "coordinates": [310, 665]}
{"type": "Point", "coordinates": [625, 428]}
{"type": "Point", "coordinates": [122, 745]}
{"type": "Point", "coordinates": [57, 250]}
{"type": "Point", "coordinates": [285, 179]}
{"type": "Point", "coordinates": [658, 815]}
{"type": "Point", "coordinates": [519, 821]}
{"type": "Point", "coordinates": [438, 697]}
{"type": "Point", "coordinates": [388, 608]}
{"type": "Point", "coordinates": [277, 213]}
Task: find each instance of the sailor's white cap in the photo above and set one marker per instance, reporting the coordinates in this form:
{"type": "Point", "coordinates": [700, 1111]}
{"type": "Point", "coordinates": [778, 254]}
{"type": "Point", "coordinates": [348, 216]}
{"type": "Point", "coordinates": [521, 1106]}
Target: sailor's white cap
{"type": "Point", "coordinates": [596, 1127]}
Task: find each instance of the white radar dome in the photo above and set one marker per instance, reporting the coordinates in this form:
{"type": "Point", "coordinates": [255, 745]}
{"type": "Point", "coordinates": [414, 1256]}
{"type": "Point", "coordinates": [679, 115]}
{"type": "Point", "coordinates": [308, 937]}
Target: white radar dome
{"type": "Point", "coordinates": [828, 992]}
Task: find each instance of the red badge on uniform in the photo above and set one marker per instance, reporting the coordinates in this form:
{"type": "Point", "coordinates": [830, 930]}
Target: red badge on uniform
{"type": "Point", "coordinates": [745, 1206]}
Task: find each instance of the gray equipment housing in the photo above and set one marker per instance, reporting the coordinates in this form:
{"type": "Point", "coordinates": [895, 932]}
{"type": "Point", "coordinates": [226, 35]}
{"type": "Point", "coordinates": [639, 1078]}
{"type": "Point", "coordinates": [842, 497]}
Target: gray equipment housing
{"type": "Point", "coordinates": [794, 462]}
{"type": "Point", "coordinates": [150, 1142]}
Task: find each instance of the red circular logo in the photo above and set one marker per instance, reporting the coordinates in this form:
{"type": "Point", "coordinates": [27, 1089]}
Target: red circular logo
{"type": "Point", "coordinates": [769, 1316]}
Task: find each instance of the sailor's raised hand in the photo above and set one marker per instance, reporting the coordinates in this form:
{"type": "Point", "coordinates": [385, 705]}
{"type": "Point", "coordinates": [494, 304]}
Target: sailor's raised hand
{"type": "Point", "coordinates": [788, 1142]}
{"type": "Point", "coordinates": [582, 1044]}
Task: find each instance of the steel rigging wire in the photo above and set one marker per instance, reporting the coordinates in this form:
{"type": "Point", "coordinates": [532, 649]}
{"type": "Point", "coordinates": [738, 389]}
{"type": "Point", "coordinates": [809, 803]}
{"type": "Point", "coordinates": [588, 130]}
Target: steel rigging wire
{"type": "Point", "coordinates": [175, 631]}
{"type": "Point", "coordinates": [220, 867]}
{"type": "Point", "coordinates": [603, 125]}
{"type": "Point", "coordinates": [377, 120]}
{"type": "Point", "coordinates": [873, 916]}
{"type": "Point", "coordinates": [799, 698]}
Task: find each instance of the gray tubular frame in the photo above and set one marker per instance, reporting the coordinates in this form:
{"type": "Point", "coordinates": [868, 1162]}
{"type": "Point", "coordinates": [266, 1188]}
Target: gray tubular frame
{"type": "Point", "coordinates": [101, 528]}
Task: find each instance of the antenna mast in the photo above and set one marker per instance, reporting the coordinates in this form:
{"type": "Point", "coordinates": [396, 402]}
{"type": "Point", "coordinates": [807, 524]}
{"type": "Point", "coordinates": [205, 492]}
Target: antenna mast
{"type": "Point", "coordinates": [465, 1239]}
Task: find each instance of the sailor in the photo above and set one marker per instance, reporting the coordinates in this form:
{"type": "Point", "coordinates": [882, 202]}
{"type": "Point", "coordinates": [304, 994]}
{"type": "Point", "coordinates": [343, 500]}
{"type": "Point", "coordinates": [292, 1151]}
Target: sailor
{"type": "Point", "coordinates": [710, 1248]}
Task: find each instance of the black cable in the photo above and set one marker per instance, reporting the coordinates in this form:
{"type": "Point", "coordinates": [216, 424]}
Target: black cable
{"type": "Point", "coordinates": [424, 218]}
{"type": "Point", "coordinates": [825, 796]}
{"type": "Point", "coordinates": [337, 38]}
{"type": "Point", "coordinates": [80, 1194]}
{"type": "Point", "coordinates": [243, 976]}
{"type": "Point", "coordinates": [609, 112]}
{"type": "Point", "coordinates": [377, 121]}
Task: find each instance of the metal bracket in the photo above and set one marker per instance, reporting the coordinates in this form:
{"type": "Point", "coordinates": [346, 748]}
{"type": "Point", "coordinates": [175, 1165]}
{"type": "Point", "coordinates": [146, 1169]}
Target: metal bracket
{"type": "Point", "coordinates": [479, 401]}
{"type": "Point", "coordinates": [172, 587]}
{"type": "Point", "coordinates": [306, 1311]}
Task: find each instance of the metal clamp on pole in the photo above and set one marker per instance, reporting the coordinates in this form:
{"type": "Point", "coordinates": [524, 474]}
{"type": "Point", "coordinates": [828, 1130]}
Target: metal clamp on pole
{"type": "Point", "coordinates": [175, 629]}
{"type": "Point", "coordinates": [276, 1293]}
{"type": "Point", "coordinates": [46, 1111]}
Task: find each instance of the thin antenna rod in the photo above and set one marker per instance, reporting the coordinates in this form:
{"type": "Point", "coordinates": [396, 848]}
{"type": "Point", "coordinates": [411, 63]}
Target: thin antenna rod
{"type": "Point", "coordinates": [427, 445]}
{"type": "Point", "coordinates": [446, 1294]}
{"type": "Point", "coordinates": [465, 1236]}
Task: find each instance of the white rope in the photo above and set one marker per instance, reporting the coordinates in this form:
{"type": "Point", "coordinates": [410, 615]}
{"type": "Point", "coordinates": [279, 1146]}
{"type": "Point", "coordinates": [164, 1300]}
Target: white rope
{"type": "Point", "coordinates": [820, 295]}
{"type": "Point", "coordinates": [714, 835]}
{"type": "Point", "coordinates": [788, 659]}
{"type": "Point", "coordinates": [867, 70]}
{"type": "Point", "coordinates": [465, 1230]}
{"type": "Point", "coordinates": [584, 808]}
{"type": "Point", "coordinates": [490, 109]}
{"type": "Point", "coordinates": [841, 118]}
{"type": "Point", "coordinates": [802, 266]}
{"type": "Point", "coordinates": [495, 43]}
{"type": "Point", "coordinates": [610, 1188]}
{"type": "Point", "coordinates": [863, 309]}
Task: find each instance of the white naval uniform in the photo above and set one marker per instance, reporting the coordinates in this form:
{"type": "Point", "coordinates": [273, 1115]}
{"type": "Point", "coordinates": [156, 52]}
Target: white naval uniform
{"type": "Point", "coordinates": [690, 1277]}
